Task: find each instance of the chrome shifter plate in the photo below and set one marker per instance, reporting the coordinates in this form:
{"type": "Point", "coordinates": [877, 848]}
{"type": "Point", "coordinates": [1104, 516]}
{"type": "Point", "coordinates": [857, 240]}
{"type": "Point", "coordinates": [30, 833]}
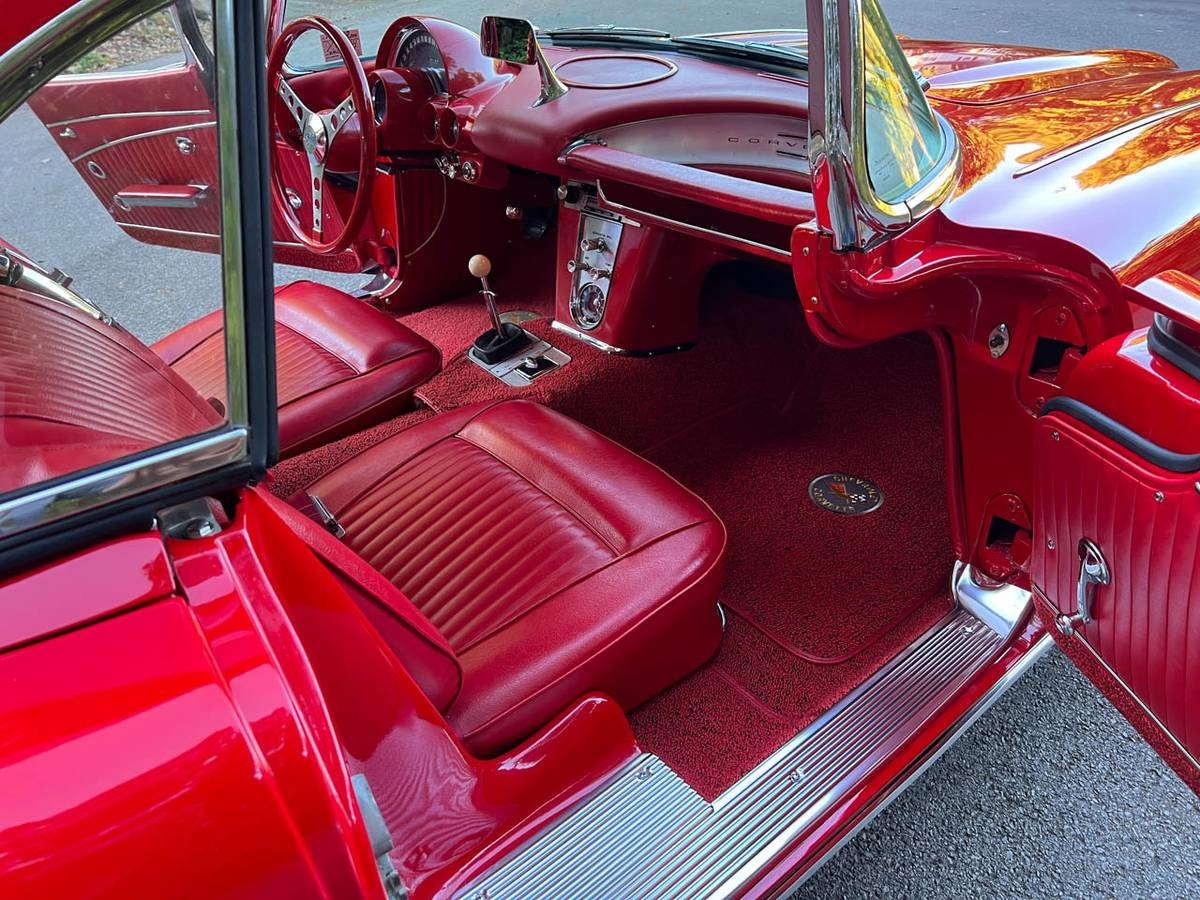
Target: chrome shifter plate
{"type": "Point", "coordinates": [509, 370]}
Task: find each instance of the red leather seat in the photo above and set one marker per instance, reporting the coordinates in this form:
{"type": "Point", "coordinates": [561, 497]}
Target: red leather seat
{"type": "Point", "coordinates": [341, 365]}
{"type": "Point", "coordinates": [548, 560]}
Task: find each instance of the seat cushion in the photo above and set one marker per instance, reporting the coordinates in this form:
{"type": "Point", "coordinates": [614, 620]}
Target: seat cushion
{"type": "Point", "coordinates": [341, 364]}
{"type": "Point", "coordinates": [553, 561]}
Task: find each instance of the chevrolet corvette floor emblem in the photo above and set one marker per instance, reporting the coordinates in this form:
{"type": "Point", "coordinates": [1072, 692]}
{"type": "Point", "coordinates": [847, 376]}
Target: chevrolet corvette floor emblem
{"type": "Point", "coordinates": [845, 494]}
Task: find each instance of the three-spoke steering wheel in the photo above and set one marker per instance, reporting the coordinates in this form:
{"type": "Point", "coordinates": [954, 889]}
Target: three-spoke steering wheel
{"type": "Point", "coordinates": [352, 118]}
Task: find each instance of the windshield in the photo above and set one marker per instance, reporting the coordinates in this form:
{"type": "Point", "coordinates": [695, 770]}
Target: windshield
{"type": "Point", "coordinates": [365, 21]}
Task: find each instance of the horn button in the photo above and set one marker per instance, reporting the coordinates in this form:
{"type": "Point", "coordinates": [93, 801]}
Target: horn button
{"type": "Point", "coordinates": [316, 139]}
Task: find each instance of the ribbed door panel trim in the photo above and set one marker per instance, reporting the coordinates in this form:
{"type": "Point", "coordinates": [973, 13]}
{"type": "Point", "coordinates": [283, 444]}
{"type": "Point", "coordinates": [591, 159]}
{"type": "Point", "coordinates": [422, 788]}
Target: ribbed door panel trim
{"type": "Point", "coordinates": [647, 834]}
{"type": "Point", "coordinates": [1146, 624]}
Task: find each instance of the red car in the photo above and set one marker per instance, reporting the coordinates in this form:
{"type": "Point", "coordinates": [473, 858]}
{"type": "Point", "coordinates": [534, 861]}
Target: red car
{"type": "Point", "coordinates": [819, 381]}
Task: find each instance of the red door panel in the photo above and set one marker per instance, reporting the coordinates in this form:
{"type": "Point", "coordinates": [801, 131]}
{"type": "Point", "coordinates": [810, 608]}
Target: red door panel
{"type": "Point", "coordinates": [158, 128]}
{"type": "Point", "coordinates": [1118, 464]}
{"type": "Point", "coordinates": [1146, 522]}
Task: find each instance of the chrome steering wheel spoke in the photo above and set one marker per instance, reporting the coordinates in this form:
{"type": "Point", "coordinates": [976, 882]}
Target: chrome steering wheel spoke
{"type": "Point", "coordinates": [317, 172]}
{"type": "Point", "coordinates": [338, 116]}
{"type": "Point", "coordinates": [295, 105]}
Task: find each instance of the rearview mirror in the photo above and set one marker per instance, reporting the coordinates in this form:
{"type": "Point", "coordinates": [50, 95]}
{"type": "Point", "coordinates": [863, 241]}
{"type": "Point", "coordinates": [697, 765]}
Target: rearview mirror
{"type": "Point", "coordinates": [515, 41]}
{"type": "Point", "coordinates": [508, 40]}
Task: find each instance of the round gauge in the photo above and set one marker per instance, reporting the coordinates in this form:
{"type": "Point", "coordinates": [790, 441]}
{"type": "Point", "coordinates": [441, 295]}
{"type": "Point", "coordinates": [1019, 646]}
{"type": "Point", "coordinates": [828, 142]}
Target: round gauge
{"type": "Point", "coordinates": [587, 306]}
{"type": "Point", "coordinates": [379, 100]}
{"type": "Point", "coordinates": [418, 50]}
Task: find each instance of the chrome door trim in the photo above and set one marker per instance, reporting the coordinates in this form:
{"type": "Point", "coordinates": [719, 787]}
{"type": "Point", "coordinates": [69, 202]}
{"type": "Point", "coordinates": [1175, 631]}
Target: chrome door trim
{"type": "Point", "coordinates": [42, 55]}
{"type": "Point", "coordinates": [142, 135]}
{"type": "Point", "coordinates": [100, 117]}
{"type": "Point", "coordinates": [125, 479]}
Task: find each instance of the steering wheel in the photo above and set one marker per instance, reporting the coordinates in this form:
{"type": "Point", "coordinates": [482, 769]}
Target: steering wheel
{"type": "Point", "coordinates": [314, 133]}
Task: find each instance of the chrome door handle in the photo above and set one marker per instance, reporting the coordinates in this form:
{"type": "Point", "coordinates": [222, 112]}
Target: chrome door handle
{"type": "Point", "coordinates": [1093, 572]}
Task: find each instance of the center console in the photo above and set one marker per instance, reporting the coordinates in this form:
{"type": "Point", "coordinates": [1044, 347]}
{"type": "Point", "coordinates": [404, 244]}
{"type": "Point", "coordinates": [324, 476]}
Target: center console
{"type": "Point", "coordinates": [623, 285]}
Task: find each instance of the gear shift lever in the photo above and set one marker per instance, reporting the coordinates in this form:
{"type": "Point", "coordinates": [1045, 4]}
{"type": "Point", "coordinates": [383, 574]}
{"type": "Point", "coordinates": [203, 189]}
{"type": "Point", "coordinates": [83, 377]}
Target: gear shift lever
{"type": "Point", "coordinates": [503, 339]}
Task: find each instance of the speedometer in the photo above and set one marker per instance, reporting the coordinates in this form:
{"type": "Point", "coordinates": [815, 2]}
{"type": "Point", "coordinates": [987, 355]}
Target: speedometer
{"type": "Point", "coordinates": [420, 51]}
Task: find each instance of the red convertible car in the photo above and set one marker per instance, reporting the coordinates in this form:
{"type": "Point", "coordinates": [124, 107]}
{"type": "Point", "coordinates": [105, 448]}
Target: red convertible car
{"type": "Point", "coordinates": [729, 420]}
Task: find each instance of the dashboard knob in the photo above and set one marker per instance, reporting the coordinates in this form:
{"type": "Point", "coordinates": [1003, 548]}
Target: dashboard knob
{"type": "Point", "coordinates": [469, 171]}
{"type": "Point", "coordinates": [572, 265]}
{"type": "Point", "coordinates": [587, 245]}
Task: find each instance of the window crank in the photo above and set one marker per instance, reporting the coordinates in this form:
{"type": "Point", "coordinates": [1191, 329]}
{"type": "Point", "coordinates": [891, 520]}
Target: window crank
{"type": "Point", "coordinates": [1093, 572]}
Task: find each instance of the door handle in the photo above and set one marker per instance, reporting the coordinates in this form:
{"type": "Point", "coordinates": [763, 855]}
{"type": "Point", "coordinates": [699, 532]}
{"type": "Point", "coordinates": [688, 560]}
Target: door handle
{"type": "Point", "coordinates": [1093, 573]}
{"type": "Point", "coordinates": [177, 196]}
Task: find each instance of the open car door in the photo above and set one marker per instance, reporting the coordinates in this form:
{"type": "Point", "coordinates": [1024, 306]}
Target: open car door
{"type": "Point", "coordinates": [1115, 565]}
{"type": "Point", "coordinates": [138, 123]}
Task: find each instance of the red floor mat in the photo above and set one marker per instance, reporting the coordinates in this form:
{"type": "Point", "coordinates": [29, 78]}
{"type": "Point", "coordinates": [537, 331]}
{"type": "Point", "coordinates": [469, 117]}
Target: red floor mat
{"type": "Point", "coordinates": [825, 585]}
{"type": "Point", "coordinates": [818, 601]}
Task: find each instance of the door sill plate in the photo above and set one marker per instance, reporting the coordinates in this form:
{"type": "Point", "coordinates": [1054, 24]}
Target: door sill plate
{"type": "Point", "coordinates": [648, 834]}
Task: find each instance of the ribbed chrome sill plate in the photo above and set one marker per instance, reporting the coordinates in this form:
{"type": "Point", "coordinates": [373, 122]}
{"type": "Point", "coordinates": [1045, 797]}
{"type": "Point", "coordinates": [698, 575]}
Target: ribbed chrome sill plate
{"type": "Point", "coordinates": [648, 834]}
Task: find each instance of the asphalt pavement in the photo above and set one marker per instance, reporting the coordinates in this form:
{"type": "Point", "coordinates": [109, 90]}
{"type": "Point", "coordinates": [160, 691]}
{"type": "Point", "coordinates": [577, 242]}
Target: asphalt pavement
{"type": "Point", "coordinates": [1051, 794]}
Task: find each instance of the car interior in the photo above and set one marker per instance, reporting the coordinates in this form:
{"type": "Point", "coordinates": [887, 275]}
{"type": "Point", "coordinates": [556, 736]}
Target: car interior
{"type": "Point", "coordinates": [563, 449]}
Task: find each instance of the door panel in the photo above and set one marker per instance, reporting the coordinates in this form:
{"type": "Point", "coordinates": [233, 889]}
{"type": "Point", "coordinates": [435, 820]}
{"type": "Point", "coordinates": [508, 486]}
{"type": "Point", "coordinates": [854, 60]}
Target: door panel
{"type": "Point", "coordinates": [1137, 631]}
{"type": "Point", "coordinates": [1146, 522]}
{"type": "Point", "coordinates": [123, 129]}
{"type": "Point", "coordinates": [157, 127]}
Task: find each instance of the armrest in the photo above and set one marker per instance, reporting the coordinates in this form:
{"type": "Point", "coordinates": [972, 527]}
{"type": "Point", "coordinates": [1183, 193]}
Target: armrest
{"type": "Point", "coordinates": [735, 195]}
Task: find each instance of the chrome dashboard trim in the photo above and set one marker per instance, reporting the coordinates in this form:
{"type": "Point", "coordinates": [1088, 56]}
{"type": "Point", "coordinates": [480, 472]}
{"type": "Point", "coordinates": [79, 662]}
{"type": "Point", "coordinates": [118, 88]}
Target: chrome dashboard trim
{"type": "Point", "coordinates": [755, 247]}
{"type": "Point", "coordinates": [596, 343]}
{"type": "Point", "coordinates": [752, 140]}
{"type": "Point", "coordinates": [584, 85]}
{"type": "Point", "coordinates": [142, 135]}
{"type": "Point", "coordinates": [141, 114]}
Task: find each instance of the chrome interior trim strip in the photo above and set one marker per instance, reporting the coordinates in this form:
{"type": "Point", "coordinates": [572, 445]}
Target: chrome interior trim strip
{"type": "Point", "coordinates": [1077, 635]}
{"type": "Point", "coordinates": [645, 836]}
{"type": "Point", "coordinates": [147, 114]}
{"type": "Point", "coordinates": [593, 341]}
{"type": "Point", "coordinates": [198, 234]}
{"type": "Point", "coordinates": [754, 246]}
{"type": "Point", "coordinates": [231, 215]}
{"type": "Point", "coordinates": [123, 480]}
{"type": "Point", "coordinates": [1001, 607]}
{"type": "Point", "coordinates": [141, 136]}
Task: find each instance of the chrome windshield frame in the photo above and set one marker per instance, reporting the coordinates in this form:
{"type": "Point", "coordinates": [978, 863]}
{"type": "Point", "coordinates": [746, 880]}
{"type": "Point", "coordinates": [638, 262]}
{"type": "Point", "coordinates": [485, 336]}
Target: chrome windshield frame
{"type": "Point", "coordinates": [848, 206]}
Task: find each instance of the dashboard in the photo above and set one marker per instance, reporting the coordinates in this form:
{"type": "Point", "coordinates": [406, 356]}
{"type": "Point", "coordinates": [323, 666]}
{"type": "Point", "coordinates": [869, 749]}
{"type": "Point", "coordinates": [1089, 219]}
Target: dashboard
{"type": "Point", "coordinates": [646, 141]}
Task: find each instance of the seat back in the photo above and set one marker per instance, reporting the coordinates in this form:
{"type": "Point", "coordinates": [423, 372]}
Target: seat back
{"type": "Point", "coordinates": [77, 392]}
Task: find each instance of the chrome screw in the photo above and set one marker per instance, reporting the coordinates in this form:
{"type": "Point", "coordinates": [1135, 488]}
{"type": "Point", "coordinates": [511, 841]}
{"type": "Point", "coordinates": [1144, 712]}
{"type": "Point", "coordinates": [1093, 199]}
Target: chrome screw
{"type": "Point", "coordinates": [1054, 436]}
{"type": "Point", "coordinates": [1050, 543]}
{"type": "Point", "coordinates": [1159, 496]}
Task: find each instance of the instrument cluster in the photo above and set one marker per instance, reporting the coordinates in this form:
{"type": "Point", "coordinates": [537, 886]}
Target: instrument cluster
{"type": "Point", "coordinates": [428, 71]}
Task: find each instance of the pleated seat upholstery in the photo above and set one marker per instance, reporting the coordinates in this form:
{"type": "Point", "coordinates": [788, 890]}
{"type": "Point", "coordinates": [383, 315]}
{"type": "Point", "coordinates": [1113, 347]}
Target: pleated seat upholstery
{"type": "Point", "coordinates": [552, 561]}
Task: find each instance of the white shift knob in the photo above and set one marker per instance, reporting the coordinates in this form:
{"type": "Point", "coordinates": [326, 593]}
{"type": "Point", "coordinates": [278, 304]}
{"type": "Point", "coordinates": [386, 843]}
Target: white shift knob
{"type": "Point", "coordinates": [480, 266]}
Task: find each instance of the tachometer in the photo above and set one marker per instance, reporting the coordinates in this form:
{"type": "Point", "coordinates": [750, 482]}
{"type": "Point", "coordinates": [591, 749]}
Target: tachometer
{"type": "Point", "coordinates": [418, 50]}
